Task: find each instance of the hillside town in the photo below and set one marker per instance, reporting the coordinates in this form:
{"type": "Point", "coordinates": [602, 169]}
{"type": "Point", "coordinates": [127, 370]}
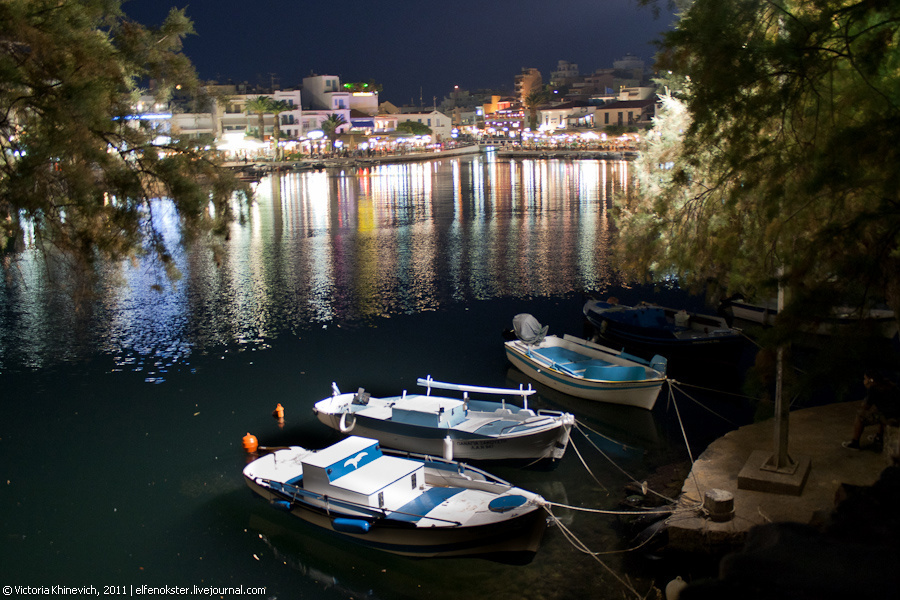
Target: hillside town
{"type": "Point", "coordinates": [325, 116]}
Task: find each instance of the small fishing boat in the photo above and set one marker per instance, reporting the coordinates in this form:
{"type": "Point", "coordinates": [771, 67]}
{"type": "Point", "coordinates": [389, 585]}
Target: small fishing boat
{"type": "Point", "coordinates": [584, 369]}
{"type": "Point", "coordinates": [665, 330]}
{"type": "Point", "coordinates": [462, 428]}
{"type": "Point", "coordinates": [407, 504]}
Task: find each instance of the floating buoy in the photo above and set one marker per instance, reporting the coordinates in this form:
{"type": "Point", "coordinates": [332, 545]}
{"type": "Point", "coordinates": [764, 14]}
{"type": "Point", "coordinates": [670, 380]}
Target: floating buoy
{"type": "Point", "coordinates": [278, 413]}
{"type": "Point", "coordinates": [250, 443]}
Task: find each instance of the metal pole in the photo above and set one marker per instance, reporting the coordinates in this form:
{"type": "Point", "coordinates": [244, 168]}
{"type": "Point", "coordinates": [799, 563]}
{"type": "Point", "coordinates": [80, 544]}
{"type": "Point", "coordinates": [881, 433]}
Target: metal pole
{"type": "Point", "coordinates": [780, 461]}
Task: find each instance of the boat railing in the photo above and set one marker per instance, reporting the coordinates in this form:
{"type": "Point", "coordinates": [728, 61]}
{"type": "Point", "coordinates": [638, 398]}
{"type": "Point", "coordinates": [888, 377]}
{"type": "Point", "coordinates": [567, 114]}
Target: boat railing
{"type": "Point", "coordinates": [296, 493]}
{"type": "Point", "coordinates": [429, 383]}
{"type": "Point", "coordinates": [605, 349]}
{"type": "Point", "coordinates": [553, 413]}
{"type": "Point", "coordinates": [538, 422]}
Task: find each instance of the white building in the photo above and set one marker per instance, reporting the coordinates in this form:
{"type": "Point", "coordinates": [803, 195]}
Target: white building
{"type": "Point", "coordinates": [566, 115]}
{"type": "Point", "coordinates": [323, 92]}
{"type": "Point", "coordinates": [439, 123]}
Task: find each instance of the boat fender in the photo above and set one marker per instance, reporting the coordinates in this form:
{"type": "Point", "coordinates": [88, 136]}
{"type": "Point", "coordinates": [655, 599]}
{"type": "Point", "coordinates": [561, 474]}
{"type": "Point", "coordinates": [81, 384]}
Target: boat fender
{"type": "Point", "coordinates": [448, 448]}
{"type": "Point", "coordinates": [251, 444]}
{"type": "Point", "coordinates": [351, 525]}
{"type": "Point", "coordinates": [345, 428]}
{"type": "Point", "coordinates": [282, 505]}
{"type": "Point", "coordinates": [674, 587]}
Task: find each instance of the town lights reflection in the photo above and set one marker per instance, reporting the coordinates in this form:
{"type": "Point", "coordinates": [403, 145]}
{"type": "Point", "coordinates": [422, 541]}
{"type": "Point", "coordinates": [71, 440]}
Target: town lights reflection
{"type": "Point", "coordinates": [341, 246]}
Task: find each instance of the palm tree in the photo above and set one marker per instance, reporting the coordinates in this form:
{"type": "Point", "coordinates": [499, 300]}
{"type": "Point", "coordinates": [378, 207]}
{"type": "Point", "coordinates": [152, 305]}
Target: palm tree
{"type": "Point", "coordinates": [534, 99]}
{"type": "Point", "coordinates": [331, 125]}
{"type": "Point", "coordinates": [259, 106]}
{"type": "Point", "coordinates": [276, 107]}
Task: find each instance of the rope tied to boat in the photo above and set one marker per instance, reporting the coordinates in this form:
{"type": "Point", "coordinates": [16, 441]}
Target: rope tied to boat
{"type": "Point", "coordinates": [582, 547]}
{"type": "Point", "coordinates": [579, 425]}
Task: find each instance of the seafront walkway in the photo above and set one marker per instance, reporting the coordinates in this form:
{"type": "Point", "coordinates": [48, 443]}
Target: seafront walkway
{"type": "Point", "coordinates": [318, 163]}
{"type": "Point", "coordinates": [815, 433]}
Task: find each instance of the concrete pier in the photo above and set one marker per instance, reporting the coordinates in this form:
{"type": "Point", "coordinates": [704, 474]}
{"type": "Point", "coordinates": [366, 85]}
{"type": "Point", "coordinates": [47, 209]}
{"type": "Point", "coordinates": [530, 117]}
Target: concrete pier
{"type": "Point", "coordinates": [816, 433]}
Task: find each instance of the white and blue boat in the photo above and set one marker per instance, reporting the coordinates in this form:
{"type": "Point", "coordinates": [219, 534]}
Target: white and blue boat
{"type": "Point", "coordinates": [406, 504]}
{"type": "Point", "coordinates": [463, 428]}
{"type": "Point", "coordinates": [584, 369]}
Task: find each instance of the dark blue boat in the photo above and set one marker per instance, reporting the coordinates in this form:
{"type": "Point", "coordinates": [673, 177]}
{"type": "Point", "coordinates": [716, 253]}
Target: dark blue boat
{"type": "Point", "coordinates": [667, 331]}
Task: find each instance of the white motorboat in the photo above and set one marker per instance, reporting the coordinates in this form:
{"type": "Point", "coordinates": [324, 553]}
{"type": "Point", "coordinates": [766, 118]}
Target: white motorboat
{"type": "Point", "coordinates": [584, 369]}
{"type": "Point", "coordinates": [463, 428]}
{"type": "Point", "coordinates": [406, 504]}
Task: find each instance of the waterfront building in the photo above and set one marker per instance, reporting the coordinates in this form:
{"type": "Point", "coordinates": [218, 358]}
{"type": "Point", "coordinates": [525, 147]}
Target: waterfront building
{"type": "Point", "coordinates": [527, 81]}
{"type": "Point", "coordinates": [567, 115]}
{"type": "Point", "coordinates": [439, 123]}
{"type": "Point", "coordinates": [624, 113]}
{"type": "Point", "coordinates": [566, 74]}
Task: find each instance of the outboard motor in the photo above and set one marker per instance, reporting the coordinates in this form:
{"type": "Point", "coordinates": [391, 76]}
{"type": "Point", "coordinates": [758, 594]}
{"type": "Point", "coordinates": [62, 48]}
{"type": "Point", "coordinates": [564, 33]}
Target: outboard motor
{"type": "Point", "coordinates": [528, 329]}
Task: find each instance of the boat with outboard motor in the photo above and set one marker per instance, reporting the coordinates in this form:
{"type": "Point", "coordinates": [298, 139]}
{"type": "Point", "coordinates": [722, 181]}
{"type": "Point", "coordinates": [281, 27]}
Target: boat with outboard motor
{"type": "Point", "coordinates": [462, 428]}
{"type": "Point", "coordinates": [403, 503]}
{"type": "Point", "coordinates": [659, 327]}
{"type": "Point", "coordinates": [582, 368]}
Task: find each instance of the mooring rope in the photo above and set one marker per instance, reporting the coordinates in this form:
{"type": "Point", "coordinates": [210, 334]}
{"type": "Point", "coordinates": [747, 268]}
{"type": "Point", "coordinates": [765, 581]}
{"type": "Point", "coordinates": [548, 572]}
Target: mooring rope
{"type": "Point", "coordinates": [582, 547]}
{"type": "Point", "coordinates": [581, 458]}
{"type": "Point", "coordinates": [687, 444]}
{"type": "Point", "coordinates": [678, 386]}
{"type": "Point", "coordinates": [709, 389]}
{"type": "Point", "coordinates": [579, 425]}
{"type": "Point", "coordinates": [602, 511]}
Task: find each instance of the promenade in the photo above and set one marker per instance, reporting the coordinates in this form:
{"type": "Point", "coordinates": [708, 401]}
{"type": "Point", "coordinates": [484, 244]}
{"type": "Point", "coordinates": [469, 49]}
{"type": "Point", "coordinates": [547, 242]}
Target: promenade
{"type": "Point", "coordinates": [317, 163]}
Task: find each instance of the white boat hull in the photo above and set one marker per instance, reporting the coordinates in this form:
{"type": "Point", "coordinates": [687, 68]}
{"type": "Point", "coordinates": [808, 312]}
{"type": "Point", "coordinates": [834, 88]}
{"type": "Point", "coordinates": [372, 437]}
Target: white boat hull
{"type": "Point", "coordinates": [641, 393]}
{"type": "Point", "coordinates": [463, 429]}
{"type": "Point", "coordinates": [459, 523]}
{"type": "Point", "coordinates": [549, 443]}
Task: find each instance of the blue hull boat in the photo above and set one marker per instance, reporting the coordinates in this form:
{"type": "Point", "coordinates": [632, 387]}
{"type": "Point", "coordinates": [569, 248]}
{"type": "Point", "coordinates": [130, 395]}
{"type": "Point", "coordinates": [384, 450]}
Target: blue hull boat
{"type": "Point", "coordinates": [649, 328]}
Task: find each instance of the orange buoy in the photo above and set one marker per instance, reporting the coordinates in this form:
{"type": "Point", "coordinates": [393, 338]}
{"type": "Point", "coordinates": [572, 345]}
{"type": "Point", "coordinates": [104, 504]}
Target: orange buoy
{"type": "Point", "coordinates": [250, 443]}
{"type": "Point", "coordinates": [278, 413]}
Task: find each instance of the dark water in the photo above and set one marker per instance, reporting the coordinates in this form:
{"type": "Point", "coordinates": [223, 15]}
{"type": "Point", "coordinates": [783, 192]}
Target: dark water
{"type": "Point", "coordinates": [121, 419]}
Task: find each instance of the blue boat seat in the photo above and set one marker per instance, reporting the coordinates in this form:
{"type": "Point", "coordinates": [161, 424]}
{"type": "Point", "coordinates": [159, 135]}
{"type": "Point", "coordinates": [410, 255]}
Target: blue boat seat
{"type": "Point", "coordinates": [561, 355]}
{"type": "Point", "coordinates": [615, 373]}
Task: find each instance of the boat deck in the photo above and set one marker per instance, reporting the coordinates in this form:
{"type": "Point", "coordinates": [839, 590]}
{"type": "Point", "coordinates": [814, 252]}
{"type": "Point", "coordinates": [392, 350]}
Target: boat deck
{"type": "Point", "coordinates": [578, 365]}
{"type": "Point", "coordinates": [414, 510]}
{"type": "Point", "coordinates": [482, 423]}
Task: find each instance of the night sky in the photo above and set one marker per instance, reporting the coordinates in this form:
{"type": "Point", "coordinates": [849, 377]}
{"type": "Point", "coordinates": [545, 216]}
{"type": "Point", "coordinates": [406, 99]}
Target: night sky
{"type": "Point", "coordinates": [412, 48]}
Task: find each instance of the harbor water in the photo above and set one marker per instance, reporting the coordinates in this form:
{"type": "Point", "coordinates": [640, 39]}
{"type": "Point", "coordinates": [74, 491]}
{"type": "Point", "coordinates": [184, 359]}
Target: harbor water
{"type": "Point", "coordinates": [122, 414]}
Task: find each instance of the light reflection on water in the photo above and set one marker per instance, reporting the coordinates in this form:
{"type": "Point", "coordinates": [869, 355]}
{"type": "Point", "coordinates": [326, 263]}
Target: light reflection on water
{"type": "Point", "coordinates": [336, 246]}
{"type": "Point", "coordinates": [369, 277]}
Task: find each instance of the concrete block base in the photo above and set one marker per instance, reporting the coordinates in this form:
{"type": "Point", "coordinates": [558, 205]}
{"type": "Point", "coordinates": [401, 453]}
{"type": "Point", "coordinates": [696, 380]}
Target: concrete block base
{"type": "Point", "coordinates": [756, 477]}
